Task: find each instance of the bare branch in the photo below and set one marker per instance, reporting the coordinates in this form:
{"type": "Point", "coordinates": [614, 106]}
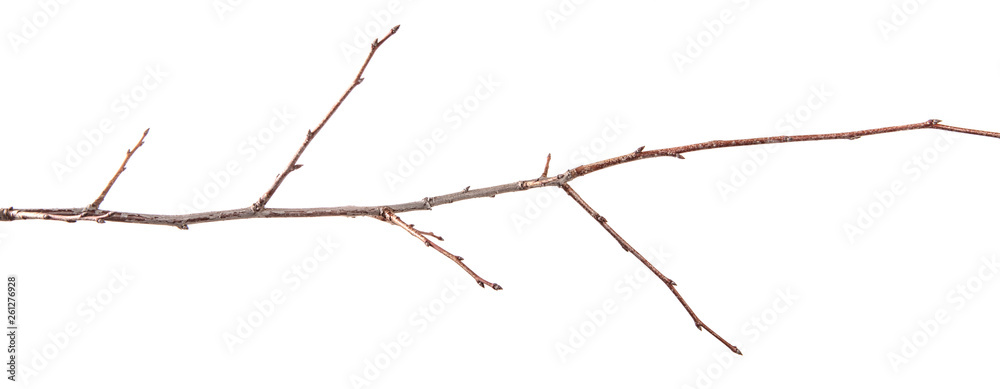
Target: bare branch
{"type": "Point", "coordinates": [390, 217]}
{"type": "Point", "coordinates": [128, 155]}
{"type": "Point", "coordinates": [388, 213]}
{"type": "Point", "coordinates": [627, 247]}
{"type": "Point", "coordinates": [183, 220]}
{"type": "Point", "coordinates": [293, 164]}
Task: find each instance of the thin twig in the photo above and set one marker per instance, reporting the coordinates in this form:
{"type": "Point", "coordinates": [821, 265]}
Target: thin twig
{"type": "Point", "coordinates": [128, 155]}
{"type": "Point", "coordinates": [389, 216]}
{"type": "Point", "coordinates": [293, 164]}
{"type": "Point", "coordinates": [627, 247]}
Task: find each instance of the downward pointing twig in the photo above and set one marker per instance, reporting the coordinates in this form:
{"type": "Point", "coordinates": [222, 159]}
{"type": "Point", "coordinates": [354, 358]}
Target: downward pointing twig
{"type": "Point", "coordinates": [627, 247]}
{"type": "Point", "coordinates": [390, 217]}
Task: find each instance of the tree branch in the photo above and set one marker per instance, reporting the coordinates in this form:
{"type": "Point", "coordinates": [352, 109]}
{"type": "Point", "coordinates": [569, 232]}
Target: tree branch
{"type": "Point", "coordinates": [183, 220]}
{"type": "Point", "coordinates": [388, 213]}
{"type": "Point", "coordinates": [627, 247]}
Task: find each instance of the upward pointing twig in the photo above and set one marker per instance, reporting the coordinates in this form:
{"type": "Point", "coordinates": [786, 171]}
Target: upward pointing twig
{"type": "Point", "coordinates": [128, 155]}
{"type": "Point", "coordinates": [293, 164]}
{"type": "Point", "coordinates": [545, 173]}
{"type": "Point", "coordinates": [627, 247]}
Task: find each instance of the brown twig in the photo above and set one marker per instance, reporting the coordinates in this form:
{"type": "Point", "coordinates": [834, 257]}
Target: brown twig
{"type": "Point", "coordinates": [293, 164]}
{"type": "Point", "coordinates": [627, 247]}
{"type": "Point", "coordinates": [390, 217]}
{"type": "Point", "coordinates": [128, 155]}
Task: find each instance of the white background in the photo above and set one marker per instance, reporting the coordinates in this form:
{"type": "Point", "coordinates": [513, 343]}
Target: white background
{"type": "Point", "coordinates": [564, 70]}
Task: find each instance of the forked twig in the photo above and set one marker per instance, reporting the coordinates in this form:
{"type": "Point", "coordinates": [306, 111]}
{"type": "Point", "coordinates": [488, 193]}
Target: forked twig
{"type": "Point", "coordinates": [627, 247]}
{"type": "Point", "coordinates": [390, 217]}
